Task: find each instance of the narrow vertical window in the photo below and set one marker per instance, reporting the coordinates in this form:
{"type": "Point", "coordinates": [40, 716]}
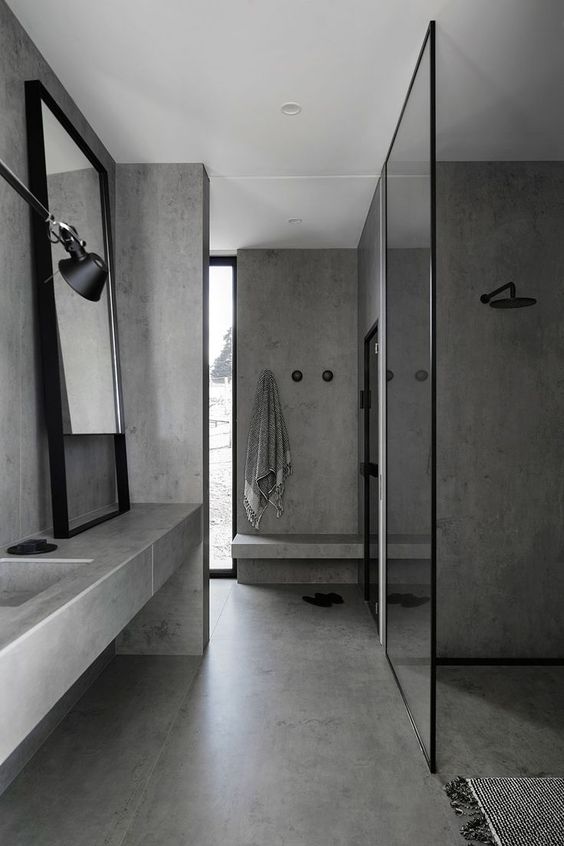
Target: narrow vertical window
{"type": "Point", "coordinates": [222, 431]}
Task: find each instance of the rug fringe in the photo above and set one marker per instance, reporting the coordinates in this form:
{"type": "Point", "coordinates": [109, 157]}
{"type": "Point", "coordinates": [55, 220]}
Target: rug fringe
{"type": "Point", "coordinates": [478, 830]}
{"type": "Point", "coordinates": [464, 803]}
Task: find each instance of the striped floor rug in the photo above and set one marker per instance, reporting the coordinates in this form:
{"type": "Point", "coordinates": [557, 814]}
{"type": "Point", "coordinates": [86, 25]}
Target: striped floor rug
{"type": "Point", "coordinates": [510, 811]}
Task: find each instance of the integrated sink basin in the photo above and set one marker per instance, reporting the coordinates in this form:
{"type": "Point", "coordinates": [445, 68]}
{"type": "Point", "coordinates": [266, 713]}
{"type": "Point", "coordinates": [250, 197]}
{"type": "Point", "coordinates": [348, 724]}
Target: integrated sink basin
{"type": "Point", "coordinates": [23, 578]}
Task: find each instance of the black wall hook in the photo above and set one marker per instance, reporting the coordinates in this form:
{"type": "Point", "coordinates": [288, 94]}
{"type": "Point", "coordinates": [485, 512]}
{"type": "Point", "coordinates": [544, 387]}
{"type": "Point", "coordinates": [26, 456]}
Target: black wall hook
{"type": "Point", "coordinates": [297, 375]}
{"type": "Point", "coordinates": [327, 375]}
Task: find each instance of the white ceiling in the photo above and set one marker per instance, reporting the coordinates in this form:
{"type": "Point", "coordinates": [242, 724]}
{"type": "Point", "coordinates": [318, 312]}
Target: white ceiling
{"type": "Point", "coordinates": [203, 80]}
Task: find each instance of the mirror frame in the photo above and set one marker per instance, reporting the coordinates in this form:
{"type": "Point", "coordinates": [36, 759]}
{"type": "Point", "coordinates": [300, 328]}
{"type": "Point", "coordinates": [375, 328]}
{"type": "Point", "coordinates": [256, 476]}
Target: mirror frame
{"type": "Point", "coordinates": [36, 95]}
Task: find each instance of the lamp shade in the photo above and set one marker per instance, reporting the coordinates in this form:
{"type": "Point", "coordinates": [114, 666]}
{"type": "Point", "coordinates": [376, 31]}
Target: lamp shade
{"type": "Point", "coordinates": [86, 273]}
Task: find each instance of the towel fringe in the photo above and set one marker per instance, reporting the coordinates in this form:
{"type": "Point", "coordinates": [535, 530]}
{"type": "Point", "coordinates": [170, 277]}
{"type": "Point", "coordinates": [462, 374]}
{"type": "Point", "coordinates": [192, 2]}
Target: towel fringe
{"type": "Point", "coordinates": [252, 516]}
{"type": "Point", "coordinates": [268, 460]}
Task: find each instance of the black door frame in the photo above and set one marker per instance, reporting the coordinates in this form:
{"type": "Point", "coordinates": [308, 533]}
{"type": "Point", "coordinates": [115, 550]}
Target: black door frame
{"type": "Point", "coordinates": [230, 261]}
{"type": "Point", "coordinates": [369, 468]}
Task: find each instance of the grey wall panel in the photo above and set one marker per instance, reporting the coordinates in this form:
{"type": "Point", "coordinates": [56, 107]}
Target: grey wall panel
{"type": "Point", "coordinates": [409, 432]}
{"type": "Point", "coordinates": [160, 269]}
{"type": "Point", "coordinates": [162, 263]}
{"type": "Point", "coordinates": [500, 411]}
{"type": "Point", "coordinates": [24, 484]}
{"type": "Point", "coordinates": [297, 310]}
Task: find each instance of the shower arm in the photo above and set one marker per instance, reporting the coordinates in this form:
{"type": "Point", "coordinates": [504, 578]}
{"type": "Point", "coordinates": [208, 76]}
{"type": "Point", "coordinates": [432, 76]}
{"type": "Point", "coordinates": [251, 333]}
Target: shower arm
{"type": "Point", "coordinates": [485, 298]}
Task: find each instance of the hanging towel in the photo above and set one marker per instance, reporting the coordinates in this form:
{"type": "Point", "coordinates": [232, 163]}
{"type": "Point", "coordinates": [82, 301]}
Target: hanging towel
{"type": "Point", "coordinates": [268, 461]}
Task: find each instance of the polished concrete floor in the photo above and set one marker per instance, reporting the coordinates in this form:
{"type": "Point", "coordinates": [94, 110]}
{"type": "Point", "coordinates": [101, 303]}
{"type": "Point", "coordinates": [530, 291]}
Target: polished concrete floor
{"type": "Point", "coordinates": [290, 732]}
{"type": "Point", "coordinates": [500, 721]}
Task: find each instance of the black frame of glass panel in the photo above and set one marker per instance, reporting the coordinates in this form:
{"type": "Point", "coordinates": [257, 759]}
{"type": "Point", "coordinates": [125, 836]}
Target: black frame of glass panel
{"type": "Point", "coordinates": [35, 95]}
{"type": "Point", "coordinates": [230, 261]}
{"type": "Point", "coordinates": [369, 469]}
{"type": "Point", "coordinates": [430, 754]}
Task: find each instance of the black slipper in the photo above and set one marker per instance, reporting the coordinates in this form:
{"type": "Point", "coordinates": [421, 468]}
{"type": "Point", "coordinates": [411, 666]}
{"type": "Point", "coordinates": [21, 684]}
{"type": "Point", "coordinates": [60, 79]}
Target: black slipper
{"type": "Point", "coordinates": [395, 598]}
{"type": "Point", "coordinates": [335, 598]}
{"type": "Point", "coordinates": [318, 599]}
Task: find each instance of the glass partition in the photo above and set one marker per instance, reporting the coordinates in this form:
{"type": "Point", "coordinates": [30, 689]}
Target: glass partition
{"type": "Point", "coordinates": [409, 438]}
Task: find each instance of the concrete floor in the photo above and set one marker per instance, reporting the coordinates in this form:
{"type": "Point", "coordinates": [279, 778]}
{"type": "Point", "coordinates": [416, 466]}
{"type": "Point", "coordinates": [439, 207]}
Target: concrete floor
{"type": "Point", "coordinates": [500, 721]}
{"type": "Point", "coordinates": [220, 590]}
{"type": "Point", "coordinates": [409, 649]}
{"type": "Point", "coordinates": [291, 732]}
{"type": "Point", "coordinates": [85, 784]}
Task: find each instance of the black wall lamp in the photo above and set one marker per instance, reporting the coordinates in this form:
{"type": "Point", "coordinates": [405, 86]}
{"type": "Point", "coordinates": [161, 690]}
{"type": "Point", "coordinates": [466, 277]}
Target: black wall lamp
{"type": "Point", "coordinates": [86, 273]}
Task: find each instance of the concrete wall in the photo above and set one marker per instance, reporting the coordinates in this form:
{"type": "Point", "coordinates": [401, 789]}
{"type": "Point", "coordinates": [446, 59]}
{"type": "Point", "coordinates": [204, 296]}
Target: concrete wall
{"type": "Point", "coordinates": [162, 249]}
{"type": "Point", "coordinates": [500, 411]}
{"type": "Point", "coordinates": [409, 400]}
{"type": "Point", "coordinates": [25, 503]}
{"type": "Point", "coordinates": [297, 310]}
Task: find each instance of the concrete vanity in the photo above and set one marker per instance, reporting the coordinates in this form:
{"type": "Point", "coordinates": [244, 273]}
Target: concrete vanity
{"type": "Point", "coordinates": [57, 618]}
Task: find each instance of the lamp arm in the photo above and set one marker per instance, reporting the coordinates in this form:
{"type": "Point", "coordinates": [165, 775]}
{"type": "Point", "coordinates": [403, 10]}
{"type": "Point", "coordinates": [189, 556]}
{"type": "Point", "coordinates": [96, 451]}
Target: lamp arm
{"type": "Point", "coordinates": [86, 273]}
{"type": "Point", "coordinates": [24, 192]}
{"type": "Point", "coordinates": [65, 231]}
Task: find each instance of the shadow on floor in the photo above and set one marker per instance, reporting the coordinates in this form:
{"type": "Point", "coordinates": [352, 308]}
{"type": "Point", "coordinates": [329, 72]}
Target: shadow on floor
{"type": "Point", "coordinates": [500, 721]}
{"type": "Point", "coordinates": [85, 783]}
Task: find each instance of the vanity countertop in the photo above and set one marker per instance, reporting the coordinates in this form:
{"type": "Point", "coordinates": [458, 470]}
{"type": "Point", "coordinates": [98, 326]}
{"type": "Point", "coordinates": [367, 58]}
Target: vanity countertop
{"type": "Point", "coordinates": [110, 546]}
{"type": "Point", "coordinates": [48, 641]}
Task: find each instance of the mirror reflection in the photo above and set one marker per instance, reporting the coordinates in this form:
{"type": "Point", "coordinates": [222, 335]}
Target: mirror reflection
{"type": "Point", "coordinates": [86, 343]}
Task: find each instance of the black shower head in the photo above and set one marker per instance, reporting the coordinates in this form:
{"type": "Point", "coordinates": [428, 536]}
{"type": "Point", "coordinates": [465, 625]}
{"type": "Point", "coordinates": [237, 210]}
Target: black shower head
{"type": "Point", "coordinates": [512, 301]}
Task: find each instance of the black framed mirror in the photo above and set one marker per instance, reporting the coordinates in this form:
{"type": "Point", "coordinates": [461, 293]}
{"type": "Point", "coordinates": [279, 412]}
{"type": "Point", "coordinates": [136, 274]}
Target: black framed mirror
{"type": "Point", "coordinates": [79, 339]}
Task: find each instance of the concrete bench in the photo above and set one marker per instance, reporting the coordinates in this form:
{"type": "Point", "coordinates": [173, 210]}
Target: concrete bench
{"type": "Point", "coordinates": [313, 558]}
{"type": "Point", "coordinates": [297, 546]}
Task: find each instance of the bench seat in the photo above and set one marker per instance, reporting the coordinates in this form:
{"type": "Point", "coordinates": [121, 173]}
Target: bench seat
{"type": "Point", "coordinates": [324, 546]}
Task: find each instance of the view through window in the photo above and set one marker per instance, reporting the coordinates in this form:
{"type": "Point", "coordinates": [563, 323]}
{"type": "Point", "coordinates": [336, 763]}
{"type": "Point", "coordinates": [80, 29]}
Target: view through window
{"type": "Point", "coordinates": [221, 296]}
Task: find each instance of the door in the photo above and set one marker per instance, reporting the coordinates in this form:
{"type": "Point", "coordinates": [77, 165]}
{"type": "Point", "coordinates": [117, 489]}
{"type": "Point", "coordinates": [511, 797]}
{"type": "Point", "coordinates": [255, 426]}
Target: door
{"type": "Point", "coordinates": [371, 471]}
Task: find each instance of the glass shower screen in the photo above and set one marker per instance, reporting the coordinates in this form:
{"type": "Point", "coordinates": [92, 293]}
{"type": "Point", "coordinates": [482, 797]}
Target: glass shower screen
{"type": "Point", "coordinates": [410, 453]}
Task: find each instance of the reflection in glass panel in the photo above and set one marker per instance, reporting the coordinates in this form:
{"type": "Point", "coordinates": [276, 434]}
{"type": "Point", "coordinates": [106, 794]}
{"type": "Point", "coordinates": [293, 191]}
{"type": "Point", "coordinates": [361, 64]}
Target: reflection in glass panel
{"type": "Point", "coordinates": [409, 403]}
{"type": "Point", "coordinates": [84, 327]}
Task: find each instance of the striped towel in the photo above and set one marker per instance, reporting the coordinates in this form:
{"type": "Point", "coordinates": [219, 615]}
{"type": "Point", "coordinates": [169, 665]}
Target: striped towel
{"type": "Point", "coordinates": [268, 461]}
